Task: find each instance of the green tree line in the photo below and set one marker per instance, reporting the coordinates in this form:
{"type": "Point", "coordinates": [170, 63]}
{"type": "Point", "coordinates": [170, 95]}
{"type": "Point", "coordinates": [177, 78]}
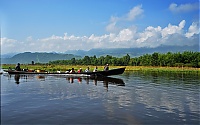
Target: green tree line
{"type": "Point", "coordinates": [187, 59]}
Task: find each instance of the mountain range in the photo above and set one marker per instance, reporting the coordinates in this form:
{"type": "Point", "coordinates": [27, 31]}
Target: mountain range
{"type": "Point", "coordinates": [28, 57]}
{"type": "Point", "coordinates": [133, 52]}
{"type": "Point", "coordinates": [38, 57]}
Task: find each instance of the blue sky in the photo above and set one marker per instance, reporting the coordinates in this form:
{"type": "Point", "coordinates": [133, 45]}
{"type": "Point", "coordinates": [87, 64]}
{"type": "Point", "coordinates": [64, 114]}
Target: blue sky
{"type": "Point", "coordinates": [60, 25]}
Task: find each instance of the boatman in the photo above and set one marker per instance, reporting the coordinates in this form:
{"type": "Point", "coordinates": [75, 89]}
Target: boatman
{"type": "Point", "coordinates": [17, 68]}
{"type": "Point", "coordinates": [106, 67]}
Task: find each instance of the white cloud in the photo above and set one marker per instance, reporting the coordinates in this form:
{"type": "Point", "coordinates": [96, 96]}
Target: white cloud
{"type": "Point", "coordinates": [53, 37]}
{"type": "Point", "coordinates": [124, 35]}
{"type": "Point", "coordinates": [130, 16]}
{"type": "Point", "coordinates": [193, 29]}
{"type": "Point", "coordinates": [183, 7]}
{"type": "Point", "coordinates": [150, 37]}
{"type": "Point", "coordinates": [8, 43]}
{"type": "Point", "coordinates": [111, 27]}
{"type": "Point", "coordinates": [171, 29]}
{"type": "Point", "coordinates": [134, 12]}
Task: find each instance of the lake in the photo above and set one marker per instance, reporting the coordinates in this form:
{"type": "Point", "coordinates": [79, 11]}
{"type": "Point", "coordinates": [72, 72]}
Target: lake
{"type": "Point", "coordinates": [131, 98]}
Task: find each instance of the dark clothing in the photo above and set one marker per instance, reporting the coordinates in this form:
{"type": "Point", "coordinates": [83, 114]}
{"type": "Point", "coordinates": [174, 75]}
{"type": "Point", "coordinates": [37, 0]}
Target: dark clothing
{"type": "Point", "coordinates": [106, 68]}
{"type": "Point", "coordinates": [17, 68]}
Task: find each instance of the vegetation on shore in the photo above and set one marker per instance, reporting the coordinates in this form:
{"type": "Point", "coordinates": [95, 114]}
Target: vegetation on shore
{"type": "Point", "coordinates": [185, 59]}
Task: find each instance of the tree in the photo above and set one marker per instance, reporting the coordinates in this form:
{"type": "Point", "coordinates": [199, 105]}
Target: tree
{"type": "Point", "coordinates": [86, 60]}
{"type": "Point", "coordinates": [155, 59]}
{"type": "Point", "coordinates": [114, 61]}
{"type": "Point", "coordinates": [169, 59]}
{"type": "Point", "coordinates": [93, 60]}
{"type": "Point", "coordinates": [73, 61]}
{"type": "Point", "coordinates": [161, 60]}
{"type": "Point", "coordinates": [101, 60]}
{"type": "Point", "coordinates": [145, 60]}
{"type": "Point", "coordinates": [126, 60]}
{"type": "Point", "coordinates": [107, 60]}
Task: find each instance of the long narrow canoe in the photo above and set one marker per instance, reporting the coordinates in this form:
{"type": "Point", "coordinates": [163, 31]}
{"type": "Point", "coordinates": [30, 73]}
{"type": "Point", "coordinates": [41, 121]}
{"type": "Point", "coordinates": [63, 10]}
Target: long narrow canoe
{"type": "Point", "coordinates": [98, 73]}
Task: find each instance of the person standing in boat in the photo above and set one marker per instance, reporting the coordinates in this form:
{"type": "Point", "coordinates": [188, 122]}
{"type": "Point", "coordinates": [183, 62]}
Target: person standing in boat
{"type": "Point", "coordinates": [106, 67]}
{"type": "Point", "coordinates": [17, 68]}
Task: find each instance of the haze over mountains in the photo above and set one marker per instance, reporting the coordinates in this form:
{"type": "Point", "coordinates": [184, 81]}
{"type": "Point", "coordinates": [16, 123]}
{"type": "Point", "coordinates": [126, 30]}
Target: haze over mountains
{"type": "Point", "coordinates": [42, 57]}
{"type": "Point", "coordinates": [28, 57]}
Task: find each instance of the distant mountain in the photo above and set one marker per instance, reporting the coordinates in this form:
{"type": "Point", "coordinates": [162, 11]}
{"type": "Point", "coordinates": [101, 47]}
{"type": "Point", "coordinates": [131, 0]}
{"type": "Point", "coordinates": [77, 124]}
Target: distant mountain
{"type": "Point", "coordinates": [133, 52]}
{"type": "Point", "coordinates": [28, 57]}
{"type": "Point", "coordinates": [8, 55]}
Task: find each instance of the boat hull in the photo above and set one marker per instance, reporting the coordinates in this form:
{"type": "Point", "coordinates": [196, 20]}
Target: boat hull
{"type": "Point", "coordinates": [98, 73]}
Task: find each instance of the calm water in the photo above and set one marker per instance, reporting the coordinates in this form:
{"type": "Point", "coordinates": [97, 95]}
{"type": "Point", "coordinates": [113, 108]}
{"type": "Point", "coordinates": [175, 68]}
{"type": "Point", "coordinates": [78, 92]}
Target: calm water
{"type": "Point", "coordinates": [131, 98]}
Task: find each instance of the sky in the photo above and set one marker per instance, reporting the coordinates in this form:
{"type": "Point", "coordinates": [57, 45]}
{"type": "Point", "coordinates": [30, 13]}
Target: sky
{"type": "Point", "coordinates": [61, 25]}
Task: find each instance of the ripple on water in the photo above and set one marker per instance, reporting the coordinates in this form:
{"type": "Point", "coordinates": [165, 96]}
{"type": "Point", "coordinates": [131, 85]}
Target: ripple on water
{"type": "Point", "coordinates": [145, 98]}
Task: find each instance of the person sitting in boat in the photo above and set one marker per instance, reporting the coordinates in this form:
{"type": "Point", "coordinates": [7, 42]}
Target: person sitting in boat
{"type": "Point", "coordinates": [9, 68]}
{"type": "Point", "coordinates": [72, 71]}
{"type": "Point", "coordinates": [79, 71]}
{"type": "Point", "coordinates": [106, 67]}
{"type": "Point", "coordinates": [17, 68]}
{"type": "Point", "coordinates": [95, 69]}
{"type": "Point", "coordinates": [87, 70]}
{"type": "Point", "coordinates": [26, 70]}
{"type": "Point", "coordinates": [68, 71]}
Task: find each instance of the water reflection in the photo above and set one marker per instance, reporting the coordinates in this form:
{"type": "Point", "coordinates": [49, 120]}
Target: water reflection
{"type": "Point", "coordinates": [167, 76]}
{"type": "Point", "coordinates": [147, 98]}
{"type": "Point", "coordinates": [106, 80]}
{"type": "Point", "coordinates": [17, 77]}
{"type": "Point", "coordinates": [40, 77]}
{"type": "Point", "coordinates": [110, 80]}
{"type": "Point", "coordinates": [173, 93]}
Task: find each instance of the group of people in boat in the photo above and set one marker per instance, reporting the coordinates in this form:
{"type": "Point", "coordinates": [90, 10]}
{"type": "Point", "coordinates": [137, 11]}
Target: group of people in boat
{"type": "Point", "coordinates": [106, 67]}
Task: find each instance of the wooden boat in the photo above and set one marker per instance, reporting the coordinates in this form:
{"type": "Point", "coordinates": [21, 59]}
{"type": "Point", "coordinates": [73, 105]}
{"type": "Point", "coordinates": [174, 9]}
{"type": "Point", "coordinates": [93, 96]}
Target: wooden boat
{"type": "Point", "coordinates": [98, 73]}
